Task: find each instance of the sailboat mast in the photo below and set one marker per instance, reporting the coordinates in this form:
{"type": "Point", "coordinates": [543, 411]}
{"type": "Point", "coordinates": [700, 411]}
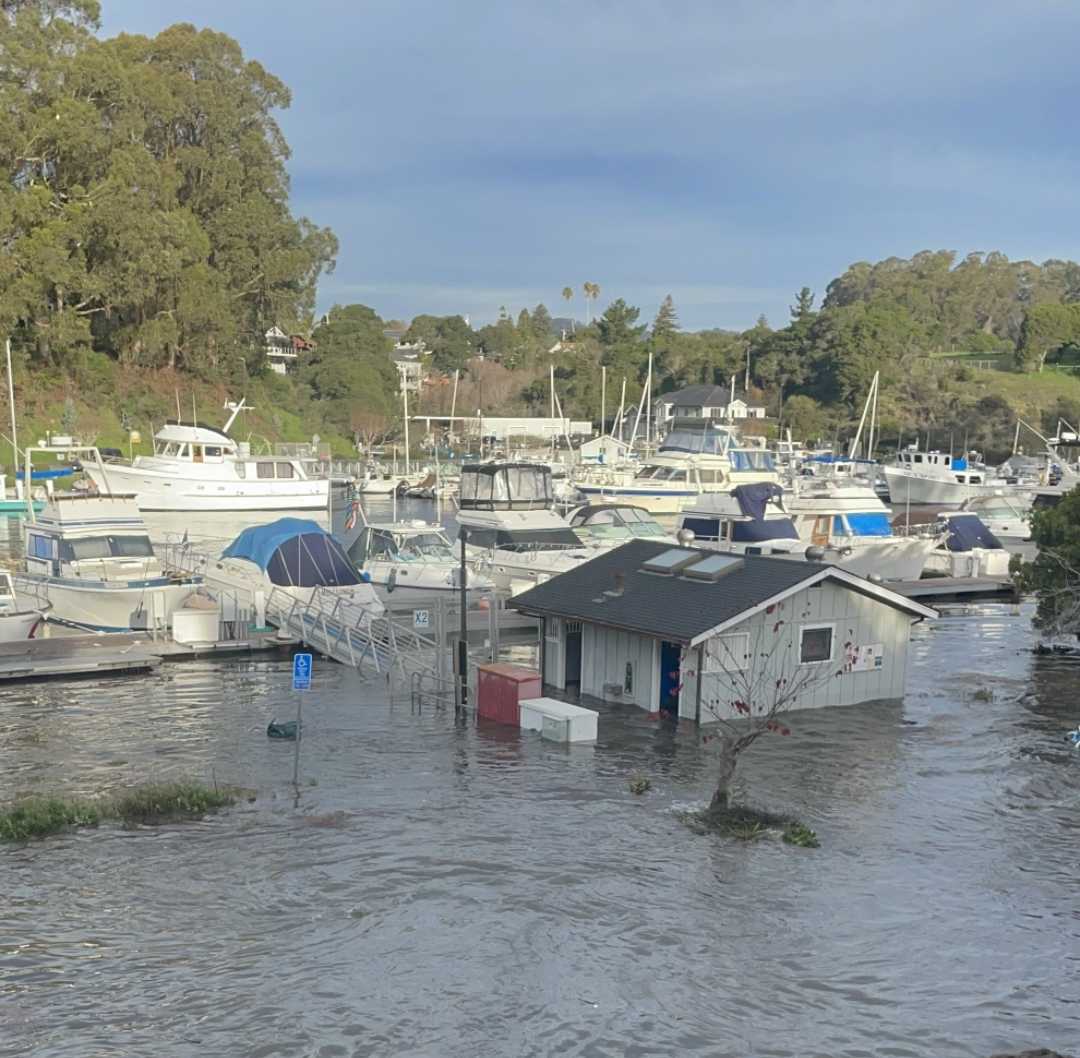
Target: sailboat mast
{"type": "Point", "coordinates": [11, 405]}
{"type": "Point", "coordinates": [405, 413]}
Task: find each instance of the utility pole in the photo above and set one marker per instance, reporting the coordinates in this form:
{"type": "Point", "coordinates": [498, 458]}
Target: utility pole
{"type": "Point", "coordinates": [11, 404]}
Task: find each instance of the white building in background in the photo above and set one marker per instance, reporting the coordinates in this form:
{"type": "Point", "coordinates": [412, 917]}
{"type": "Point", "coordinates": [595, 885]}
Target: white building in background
{"type": "Point", "coordinates": [604, 450]}
{"type": "Point", "coordinates": [705, 402]}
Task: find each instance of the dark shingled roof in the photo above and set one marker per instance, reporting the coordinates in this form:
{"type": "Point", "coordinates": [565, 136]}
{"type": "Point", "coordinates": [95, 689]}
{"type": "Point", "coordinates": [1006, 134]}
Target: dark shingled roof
{"type": "Point", "coordinates": [697, 396]}
{"type": "Point", "coordinates": [675, 608]}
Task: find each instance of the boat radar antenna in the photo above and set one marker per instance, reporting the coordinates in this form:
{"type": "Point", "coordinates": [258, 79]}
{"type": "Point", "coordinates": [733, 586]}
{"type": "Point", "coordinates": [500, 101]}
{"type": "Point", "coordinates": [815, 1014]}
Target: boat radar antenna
{"type": "Point", "coordinates": [236, 409]}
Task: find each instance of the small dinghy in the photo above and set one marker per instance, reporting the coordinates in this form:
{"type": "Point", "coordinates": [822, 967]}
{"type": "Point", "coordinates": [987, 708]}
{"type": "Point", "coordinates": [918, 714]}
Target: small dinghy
{"type": "Point", "coordinates": [286, 729]}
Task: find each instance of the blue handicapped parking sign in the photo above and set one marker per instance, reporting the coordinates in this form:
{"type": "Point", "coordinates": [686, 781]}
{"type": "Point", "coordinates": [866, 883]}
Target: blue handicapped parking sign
{"type": "Point", "coordinates": [301, 672]}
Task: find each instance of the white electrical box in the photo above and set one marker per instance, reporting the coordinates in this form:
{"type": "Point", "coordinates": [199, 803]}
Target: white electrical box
{"type": "Point", "coordinates": [559, 721]}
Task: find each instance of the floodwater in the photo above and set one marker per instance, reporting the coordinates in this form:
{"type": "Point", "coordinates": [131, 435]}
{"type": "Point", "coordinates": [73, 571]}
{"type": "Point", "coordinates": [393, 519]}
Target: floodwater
{"type": "Point", "coordinates": [443, 889]}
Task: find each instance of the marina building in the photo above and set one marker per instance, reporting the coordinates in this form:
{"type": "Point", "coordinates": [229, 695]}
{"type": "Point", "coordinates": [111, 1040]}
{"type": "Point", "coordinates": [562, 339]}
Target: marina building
{"type": "Point", "coordinates": [692, 632]}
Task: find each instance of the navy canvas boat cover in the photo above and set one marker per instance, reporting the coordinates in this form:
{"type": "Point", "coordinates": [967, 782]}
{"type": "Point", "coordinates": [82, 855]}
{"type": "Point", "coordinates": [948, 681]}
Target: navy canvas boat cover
{"type": "Point", "coordinates": [753, 499]}
{"type": "Point", "coordinates": [294, 552]}
{"type": "Point", "coordinates": [967, 531]}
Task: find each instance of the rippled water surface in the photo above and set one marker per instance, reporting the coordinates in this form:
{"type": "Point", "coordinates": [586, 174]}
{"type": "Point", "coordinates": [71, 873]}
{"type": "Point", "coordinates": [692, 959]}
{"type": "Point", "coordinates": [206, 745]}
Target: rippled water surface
{"type": "Point", "coordinates": [448, 890]}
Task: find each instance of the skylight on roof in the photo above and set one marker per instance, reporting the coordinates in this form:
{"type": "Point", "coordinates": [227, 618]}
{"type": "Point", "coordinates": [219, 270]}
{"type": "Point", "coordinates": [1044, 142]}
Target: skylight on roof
{"type": "Point", "coordinates": [711, 568]}
{"type": "Point", "coordinates": [670, 561]}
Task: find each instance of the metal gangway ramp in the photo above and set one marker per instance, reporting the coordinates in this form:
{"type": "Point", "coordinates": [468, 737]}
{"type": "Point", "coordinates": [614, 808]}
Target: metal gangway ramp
{"type": "Point", "coordinates": [333, 624]}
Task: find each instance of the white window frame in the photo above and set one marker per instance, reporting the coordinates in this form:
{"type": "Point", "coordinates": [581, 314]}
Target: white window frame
{"type": "Point", "coordinates": [815, 628]}
{"type": "Point", "coordinates": [553, 629]}
{"type": "Point", "coordinates": [720, 661]}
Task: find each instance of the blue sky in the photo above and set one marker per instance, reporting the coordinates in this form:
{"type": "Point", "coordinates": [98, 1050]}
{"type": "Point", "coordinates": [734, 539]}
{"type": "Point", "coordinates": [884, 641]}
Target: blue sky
{"type": "Point", "coordinates": [471, 154]}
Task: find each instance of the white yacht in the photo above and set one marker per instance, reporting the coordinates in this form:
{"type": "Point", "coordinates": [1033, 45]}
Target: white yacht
{"type": "Point", "coordinates": [937, 479]}
{"type": "Point", "coordinates": [849, 516]}
{"type": "Point", "coordinates": [695, 457]}
{"type": "Point", "coordinates": [1005, 512]}
{"type": "Point", "coordinates": [91, 558]}
{"type": "Point", "coordinates": [199, 468]}
{"type": "Point", "coordinates": [412, 558]}
{"type": "Point", "coordinates": [512, 535]}
{"type": "Point", "coordinates": [755, 520]}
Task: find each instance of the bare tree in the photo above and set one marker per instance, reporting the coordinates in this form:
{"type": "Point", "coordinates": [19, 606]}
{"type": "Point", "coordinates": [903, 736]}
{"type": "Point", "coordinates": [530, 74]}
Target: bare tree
{"type": "Point", "coordinates": [750, 680]}
{"type": "Point", "coordinates": [371, 428]}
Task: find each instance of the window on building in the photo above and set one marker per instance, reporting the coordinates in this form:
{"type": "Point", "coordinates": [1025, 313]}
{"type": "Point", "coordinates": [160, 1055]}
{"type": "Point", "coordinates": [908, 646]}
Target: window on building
{"type": "Point", "coordinates": [628, 679]}
{"type": "Point", "coordinates": [815, 644]}
{"type": "Point", "coordinates": [552, 629]}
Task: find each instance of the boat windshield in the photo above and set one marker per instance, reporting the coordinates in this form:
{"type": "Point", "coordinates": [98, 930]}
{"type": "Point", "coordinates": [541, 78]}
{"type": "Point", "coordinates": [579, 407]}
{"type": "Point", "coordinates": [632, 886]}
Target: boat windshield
{"type": "Point", "coordinates": [507, 486]}
{"type": "Point", "coordinates": [703, 442]}
{"type": "Point", "coordinates": [420, 546]}
{"type": "Point", "coordinates": [525, 539]}
{"type": "Point", "coordinates": [653, 473]}
{"type": "Point", "coordinates": [106, 547]}
{"type": "Point", "coordinates": [751, 459]}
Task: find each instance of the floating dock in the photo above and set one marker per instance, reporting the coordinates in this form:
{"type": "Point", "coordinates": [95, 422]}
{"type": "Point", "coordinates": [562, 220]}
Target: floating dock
{"type": "Point", "coordinates": [69, 655]}
{"type": "Point", "coordinates": [956, 589]}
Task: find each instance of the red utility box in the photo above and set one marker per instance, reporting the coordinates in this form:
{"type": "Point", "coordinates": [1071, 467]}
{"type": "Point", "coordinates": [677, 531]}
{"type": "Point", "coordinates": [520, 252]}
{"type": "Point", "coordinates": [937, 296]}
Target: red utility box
{"type": "Point", "coordinates": [501, 688]}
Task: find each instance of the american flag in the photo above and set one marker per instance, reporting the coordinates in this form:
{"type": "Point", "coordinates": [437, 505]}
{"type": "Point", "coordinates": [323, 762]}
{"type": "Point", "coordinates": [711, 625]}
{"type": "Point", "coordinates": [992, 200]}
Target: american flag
{"type": "Point", "coordinates": [350, 521]}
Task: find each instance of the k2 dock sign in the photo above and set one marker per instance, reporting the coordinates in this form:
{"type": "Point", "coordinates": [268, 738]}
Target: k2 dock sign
{"type": "Point", "coordinates": [301, 672]}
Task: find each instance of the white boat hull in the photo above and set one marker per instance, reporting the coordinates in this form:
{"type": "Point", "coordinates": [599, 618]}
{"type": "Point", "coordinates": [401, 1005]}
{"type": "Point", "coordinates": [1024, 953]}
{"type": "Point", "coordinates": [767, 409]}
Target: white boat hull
{"type": "Point", "coordinates": [156, 491]}
{"type": "Point", "coordinates": [101, 607]}
{"type": "Point", "coordinates": [891, 558]}
{"type": "Point", "coordinates": [15, 627]}
{"type": "Point", "coordinates": [931, 492]}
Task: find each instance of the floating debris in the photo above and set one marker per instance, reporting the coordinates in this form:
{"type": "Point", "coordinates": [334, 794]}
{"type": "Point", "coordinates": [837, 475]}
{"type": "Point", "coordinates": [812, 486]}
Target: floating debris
{"type": "Point", "coordinates": [286, 729]}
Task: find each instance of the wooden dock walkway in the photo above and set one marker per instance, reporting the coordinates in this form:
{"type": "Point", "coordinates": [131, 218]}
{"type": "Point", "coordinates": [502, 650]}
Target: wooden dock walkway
{"type": "Point", "coordinates": [67, 655]}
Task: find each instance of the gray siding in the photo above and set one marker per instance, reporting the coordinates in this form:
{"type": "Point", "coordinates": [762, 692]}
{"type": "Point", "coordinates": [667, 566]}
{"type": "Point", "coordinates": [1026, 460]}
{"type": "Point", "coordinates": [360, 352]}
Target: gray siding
{"type": "Point", "coordinates": [604, 655]}
{"type": "Point", "coordinates": [855, 619]}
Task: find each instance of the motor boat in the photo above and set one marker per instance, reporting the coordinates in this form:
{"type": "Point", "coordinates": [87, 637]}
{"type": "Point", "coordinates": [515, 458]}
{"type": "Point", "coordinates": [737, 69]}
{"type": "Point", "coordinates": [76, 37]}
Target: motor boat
{"type": "Point", "coordinates": [199, 468]}
{"type": "Point", "coordinates": [969, 548]}
{"type": "Point", "coordinates": [295, 556]}
{"type": "Point", "coordinates": [512, 534]}
{"type": "Point", "coordinates": [19, 618]}
{"type": "Point", "coordinates": [412, 558]}
{"type": "Point", "coordinates": [937, 479]}
{"type": "Point", "coordinates": [695, 457]}
{"type": "Point", "coordinates": [90, 556]}
{"type": "Point", "coordinates": [1005, 512]}
{"type": "Point", "coordinates": [849, 517]}
{"type": "Point", "coordinates": [612, 524]}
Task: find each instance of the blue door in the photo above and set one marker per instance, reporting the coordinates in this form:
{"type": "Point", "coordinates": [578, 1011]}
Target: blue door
{"type": "Point", "coordinates": [669, 678]}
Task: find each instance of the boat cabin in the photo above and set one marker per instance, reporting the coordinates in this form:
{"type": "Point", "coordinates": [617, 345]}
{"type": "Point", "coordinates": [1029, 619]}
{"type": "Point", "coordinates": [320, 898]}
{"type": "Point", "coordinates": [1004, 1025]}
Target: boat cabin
{"type": "Point", "coordinates": [690, 632]}
{"type": "Point", "coordinates": [401, 543]}
{"type": "Point", "coordinates": [505, 487]}
{"type": "Point", "coordinates": [940, 464]}
{"type": "Point", "coordinates": [89, 536]}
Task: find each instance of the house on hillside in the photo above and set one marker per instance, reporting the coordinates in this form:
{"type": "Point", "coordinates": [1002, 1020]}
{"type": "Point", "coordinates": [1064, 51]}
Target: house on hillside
{"type": "Point", "coordinates": [690, 631]}
{"type": "Point", "coordinates": [283, 351]}
{"type": "Point", "coordinates": [705, 402]}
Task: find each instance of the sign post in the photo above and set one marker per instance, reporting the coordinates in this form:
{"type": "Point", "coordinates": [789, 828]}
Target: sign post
{"type": "Point", "coordinates": [301, 681]}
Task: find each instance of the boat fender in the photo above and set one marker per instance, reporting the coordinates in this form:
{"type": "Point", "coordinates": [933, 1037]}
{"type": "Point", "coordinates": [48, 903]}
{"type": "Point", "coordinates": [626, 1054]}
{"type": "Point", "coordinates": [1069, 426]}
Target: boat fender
{"type": "Point", "coordinates": [1074, 738]}
{"type": "Point", "coordinates": [365, 577]}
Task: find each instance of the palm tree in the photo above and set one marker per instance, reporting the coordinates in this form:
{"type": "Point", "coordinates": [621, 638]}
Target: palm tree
{"type": "Point", "coordinates": [568, 296]}
{"type": "Point", "coordinates": [591, 290]}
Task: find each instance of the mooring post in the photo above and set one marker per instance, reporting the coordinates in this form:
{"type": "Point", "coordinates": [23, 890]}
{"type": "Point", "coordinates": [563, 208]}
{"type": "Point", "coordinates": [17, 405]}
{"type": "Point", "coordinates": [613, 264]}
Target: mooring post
{"type": "Point", "coordinates": [463, 642]}
{"type": "Point", "coordinates": [299, 736]}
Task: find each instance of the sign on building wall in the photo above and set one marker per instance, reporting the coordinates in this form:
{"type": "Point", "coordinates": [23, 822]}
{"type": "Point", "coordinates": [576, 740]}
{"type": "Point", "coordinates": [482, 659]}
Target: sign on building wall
{"type": "Point", "coordinates": [865, 658]}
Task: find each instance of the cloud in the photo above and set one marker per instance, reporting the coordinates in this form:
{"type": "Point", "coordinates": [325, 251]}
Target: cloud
{"type": "Point", "coordinates": [483, 153]}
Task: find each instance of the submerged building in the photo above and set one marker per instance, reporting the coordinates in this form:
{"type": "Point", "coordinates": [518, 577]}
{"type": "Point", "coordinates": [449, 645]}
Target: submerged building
{"type": "Point", "coordinates": [691, 632]}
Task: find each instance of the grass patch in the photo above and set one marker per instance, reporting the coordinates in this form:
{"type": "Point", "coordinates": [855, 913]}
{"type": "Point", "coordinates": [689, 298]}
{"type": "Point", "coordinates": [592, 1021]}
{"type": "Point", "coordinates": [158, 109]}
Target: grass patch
{"type": "Point", "coordinates": [745, 823]}
{"type": "Point", "coordinates": [37, 817]}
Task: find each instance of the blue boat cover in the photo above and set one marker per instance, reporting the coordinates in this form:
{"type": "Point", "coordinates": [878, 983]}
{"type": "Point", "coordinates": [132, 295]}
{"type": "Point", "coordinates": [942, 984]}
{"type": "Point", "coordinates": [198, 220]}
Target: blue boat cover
{"type": "Point", "coordinates": [959, 463]}
{"type": "Point", "coordinates": [294, 552]}
{"type": "Point", "coordinates": [967, 531]}
{"type": "Point", "coordinates": [753, 499]}
{"type": "Point", "coordinates": [870, 523]}
{"type": "Point", "coordinates": [47, 475]}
